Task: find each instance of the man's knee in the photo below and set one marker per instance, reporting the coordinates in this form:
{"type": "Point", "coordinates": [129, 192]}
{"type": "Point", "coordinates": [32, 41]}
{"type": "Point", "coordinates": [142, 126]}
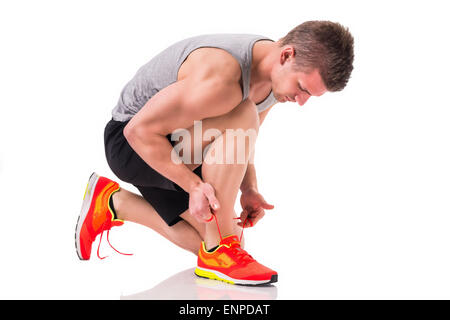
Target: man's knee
{"type": "Point", "coordinates": [246, 113]}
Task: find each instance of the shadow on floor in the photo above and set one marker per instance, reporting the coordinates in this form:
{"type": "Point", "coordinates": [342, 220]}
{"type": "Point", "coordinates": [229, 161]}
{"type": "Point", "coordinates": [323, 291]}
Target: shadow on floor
{"type": "Point", "coordinates": [185, 285]}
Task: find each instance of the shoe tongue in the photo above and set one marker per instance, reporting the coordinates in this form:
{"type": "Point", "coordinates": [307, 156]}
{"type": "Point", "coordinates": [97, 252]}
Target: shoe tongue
{"type": "Point", "coordinates": [230, 240]}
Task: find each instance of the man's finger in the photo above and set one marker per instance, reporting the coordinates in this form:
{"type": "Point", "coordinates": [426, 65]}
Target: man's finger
{"type": "Point", "coordinates": [258, 217]}
{"type": "Point", "coordinates": [248, 223]}
{"type": "Point", "coordinates": [242, 217]}
{"type": "Point", "coordinates": [209, 219]}
{"type": "Point", "coordinates": [208, 191]}
{"type": "Point", "coordinates": [265, 205]}
{"type": "Point", "coordinates": [204, 215]}
{"type": "Point", "coordinates": [243, 214]}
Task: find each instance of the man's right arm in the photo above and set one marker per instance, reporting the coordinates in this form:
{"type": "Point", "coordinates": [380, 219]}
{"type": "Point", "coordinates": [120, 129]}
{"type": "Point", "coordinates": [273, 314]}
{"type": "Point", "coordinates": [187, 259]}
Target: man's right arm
{"type": "Point", "coordinates": [177, 106]}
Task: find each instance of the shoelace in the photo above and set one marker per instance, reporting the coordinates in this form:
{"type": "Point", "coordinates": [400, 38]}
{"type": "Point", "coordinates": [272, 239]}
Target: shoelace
{"type": "Point", "coordinates": [213, 216]}
{"type": "Point", "coordinates": [107, 239]}
{"type": "Point", "coordinates": [240, 253]}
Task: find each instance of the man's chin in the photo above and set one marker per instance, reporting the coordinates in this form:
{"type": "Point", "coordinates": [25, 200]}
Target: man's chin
{"type": "Point", "coordinates": [279, 98]}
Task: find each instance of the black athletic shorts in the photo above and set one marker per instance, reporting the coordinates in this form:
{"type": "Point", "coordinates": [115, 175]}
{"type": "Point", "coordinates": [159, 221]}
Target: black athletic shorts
{"type": "Point", "coordinates": [165, 196]}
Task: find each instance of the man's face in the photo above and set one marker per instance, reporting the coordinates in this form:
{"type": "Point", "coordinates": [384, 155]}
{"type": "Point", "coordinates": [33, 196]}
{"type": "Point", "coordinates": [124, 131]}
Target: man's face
{"type": "Point", "coordinates": [295, 86]}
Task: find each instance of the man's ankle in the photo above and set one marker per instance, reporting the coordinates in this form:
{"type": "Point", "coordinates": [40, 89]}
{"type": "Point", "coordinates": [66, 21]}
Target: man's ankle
{"type": "Point", "coordinates": [211, 244]}
{"type": "Point", "coordinates": [212, 249]}
{"type": "Point", "coordinates": [114, 204]}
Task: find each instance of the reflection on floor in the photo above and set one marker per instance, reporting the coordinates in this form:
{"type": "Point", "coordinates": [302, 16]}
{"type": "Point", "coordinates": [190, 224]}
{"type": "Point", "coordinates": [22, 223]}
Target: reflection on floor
{"type": "Point", "coordinates": [186, 285]}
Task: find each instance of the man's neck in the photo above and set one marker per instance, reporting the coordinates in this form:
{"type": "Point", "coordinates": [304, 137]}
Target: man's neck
{"type": "Point", "coordinates": [265, 54]}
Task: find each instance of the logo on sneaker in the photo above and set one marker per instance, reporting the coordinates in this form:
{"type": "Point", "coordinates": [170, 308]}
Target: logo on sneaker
{"type": "Point", "coordinates": [222, 260]}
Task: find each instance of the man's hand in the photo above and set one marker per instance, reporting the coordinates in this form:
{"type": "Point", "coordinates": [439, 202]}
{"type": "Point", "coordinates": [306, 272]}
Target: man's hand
{"type": "Point", "coordinates": [253, 205]}
{"type": "Point", "coordinates": [203, 202]}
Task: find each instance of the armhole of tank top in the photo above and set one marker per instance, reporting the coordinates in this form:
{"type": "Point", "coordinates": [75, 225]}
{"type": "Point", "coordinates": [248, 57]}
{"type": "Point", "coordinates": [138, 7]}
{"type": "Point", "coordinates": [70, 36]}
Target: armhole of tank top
{"type": "Point", "coordinates": [252, 44]}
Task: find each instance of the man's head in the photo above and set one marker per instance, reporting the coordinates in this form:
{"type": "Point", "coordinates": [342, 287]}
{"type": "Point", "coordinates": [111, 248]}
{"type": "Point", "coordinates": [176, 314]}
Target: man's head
{"type": "Point", "coordinates": [313, 58]}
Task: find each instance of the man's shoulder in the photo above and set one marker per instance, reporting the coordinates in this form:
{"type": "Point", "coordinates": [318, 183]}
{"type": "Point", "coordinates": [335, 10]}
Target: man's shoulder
{"type": "Point", "coordinates": [209, 62]}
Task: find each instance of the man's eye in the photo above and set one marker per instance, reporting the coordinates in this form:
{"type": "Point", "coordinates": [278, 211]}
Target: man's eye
{"type": "Point", "coordinates": [300, 87]}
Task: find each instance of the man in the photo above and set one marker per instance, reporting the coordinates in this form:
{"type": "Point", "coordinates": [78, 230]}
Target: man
{"type": "Point", "coordinates": [229, 83]}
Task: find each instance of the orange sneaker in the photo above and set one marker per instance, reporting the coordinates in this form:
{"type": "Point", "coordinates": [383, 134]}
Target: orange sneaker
{"type": "Point", "coordinates": [96, 215]}
{"type": "Point", "coordinates": [232, 264]}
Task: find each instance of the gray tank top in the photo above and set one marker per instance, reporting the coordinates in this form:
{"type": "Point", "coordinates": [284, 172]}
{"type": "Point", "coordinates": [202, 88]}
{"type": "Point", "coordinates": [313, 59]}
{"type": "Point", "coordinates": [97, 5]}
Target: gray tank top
{"type": "Point", "coordinates": [162, 70]}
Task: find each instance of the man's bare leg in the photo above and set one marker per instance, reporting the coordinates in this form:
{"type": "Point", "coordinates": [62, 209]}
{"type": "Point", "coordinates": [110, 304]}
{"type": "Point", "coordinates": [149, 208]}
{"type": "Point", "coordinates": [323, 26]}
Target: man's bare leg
{"type": "Point", "coordinates": [132, 207]}
{"type": "Point", "coordinates": [189, 233]}
{"type": "Point", "coordinates": [227, 178]}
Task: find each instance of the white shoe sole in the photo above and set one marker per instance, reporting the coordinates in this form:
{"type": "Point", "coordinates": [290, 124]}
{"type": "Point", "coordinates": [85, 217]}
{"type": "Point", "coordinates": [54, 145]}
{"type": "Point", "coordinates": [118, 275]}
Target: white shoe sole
{"type": "Point", "coordinates": [87, 199]}
{"type": "Point", "coordinates": [216, 275]}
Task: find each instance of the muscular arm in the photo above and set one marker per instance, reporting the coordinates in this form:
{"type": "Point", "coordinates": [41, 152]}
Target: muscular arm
{"type": "Point", "coordinates": [206, 93]}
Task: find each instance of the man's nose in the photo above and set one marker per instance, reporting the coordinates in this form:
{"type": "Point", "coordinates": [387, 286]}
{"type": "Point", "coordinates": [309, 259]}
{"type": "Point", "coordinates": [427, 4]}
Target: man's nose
{"type": "Point", "coordinates": [301, 98]}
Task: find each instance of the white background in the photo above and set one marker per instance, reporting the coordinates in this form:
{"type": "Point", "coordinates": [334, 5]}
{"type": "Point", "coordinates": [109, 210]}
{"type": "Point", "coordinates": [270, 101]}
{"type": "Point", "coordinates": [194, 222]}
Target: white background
{"type": "Point", "coordinates": [360, 179]}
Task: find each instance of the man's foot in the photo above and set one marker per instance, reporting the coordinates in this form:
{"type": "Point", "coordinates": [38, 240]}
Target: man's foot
{"type": "Point", "coordinates": [96, 215]}
{"type": "Point", "coordinates": [232, 264]}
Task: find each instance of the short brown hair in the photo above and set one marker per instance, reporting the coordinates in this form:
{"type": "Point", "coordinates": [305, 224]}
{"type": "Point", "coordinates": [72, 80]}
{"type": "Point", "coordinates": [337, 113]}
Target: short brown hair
{"type": "Point", "coordinates": [325, 45]}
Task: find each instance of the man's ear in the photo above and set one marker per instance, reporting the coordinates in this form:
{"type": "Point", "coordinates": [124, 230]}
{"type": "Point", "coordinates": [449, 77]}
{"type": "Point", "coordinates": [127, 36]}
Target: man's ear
{"type": "Point", "coordinates": [286, 54]}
